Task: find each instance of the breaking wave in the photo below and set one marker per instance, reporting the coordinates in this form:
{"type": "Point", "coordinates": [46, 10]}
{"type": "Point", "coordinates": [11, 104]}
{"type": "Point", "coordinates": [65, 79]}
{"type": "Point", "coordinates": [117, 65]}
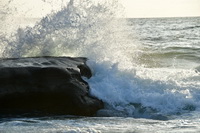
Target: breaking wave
{"type": "Point", "coordinates": [97, 31]}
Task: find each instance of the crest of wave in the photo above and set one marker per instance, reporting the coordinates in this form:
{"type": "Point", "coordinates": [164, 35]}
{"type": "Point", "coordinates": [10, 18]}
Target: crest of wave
{"type": "Point", "coordinates": [82, 28]}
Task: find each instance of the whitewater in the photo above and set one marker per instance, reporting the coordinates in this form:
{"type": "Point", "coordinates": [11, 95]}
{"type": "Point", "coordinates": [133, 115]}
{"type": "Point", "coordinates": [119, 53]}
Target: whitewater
{"type": "Point", "coordinates": [146, 70]}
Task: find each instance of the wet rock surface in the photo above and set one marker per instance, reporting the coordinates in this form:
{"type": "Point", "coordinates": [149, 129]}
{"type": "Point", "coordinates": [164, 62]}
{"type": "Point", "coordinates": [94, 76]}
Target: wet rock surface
{"type": "Point", "coordinates": [46, 85]}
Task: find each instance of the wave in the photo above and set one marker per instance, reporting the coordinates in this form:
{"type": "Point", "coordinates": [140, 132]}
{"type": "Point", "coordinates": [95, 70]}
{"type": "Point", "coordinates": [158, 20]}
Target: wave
{"type": "Point", "coordinates": [94, 30]}
{"type": "Point", "coordinates": [159, 91]}
{"type": "Point", "coordinates": [187, 28]}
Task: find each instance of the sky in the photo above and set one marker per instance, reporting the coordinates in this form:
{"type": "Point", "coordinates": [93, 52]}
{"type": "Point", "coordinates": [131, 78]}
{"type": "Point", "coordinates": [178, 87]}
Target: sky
{"type": "Point", "coordinates": [161, 8]}
{"type": "Point", "coordinates": [133, 8]}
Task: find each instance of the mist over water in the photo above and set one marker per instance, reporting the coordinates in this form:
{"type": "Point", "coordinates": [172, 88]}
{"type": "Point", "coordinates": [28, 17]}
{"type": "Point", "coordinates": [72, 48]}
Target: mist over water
{"type": "Point", "coordinates": [125, 74]}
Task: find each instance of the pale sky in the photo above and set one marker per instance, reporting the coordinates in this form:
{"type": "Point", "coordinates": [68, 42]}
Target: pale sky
{"type": "Point", "coordinates": [133, 8]}
{"type": "Point", "coordinates": [161, 8]}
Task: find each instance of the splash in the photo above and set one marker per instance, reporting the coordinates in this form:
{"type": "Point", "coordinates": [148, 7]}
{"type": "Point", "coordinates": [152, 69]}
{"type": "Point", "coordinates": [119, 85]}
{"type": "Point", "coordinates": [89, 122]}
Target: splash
{"type": "Point", "coordinates": [82, 28]}
{"type": "Point", "coordinates": [96, 31]}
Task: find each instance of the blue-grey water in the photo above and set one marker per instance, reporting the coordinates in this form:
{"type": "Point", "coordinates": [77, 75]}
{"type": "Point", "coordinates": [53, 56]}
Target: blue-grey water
{"type": "Point", "coordinates": [146, 71]}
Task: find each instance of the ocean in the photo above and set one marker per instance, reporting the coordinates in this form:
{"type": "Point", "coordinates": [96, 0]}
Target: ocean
{"type": "Point", "coordinates": [145, 70]}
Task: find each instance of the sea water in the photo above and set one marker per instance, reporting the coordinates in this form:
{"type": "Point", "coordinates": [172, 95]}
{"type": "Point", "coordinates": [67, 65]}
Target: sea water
{"type": "Point", "coordinates": [146, 71]}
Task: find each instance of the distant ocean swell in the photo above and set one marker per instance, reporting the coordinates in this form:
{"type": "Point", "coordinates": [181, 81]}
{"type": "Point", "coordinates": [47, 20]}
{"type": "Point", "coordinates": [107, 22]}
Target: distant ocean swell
{"type": "Point", "coordinates": [129, 73]}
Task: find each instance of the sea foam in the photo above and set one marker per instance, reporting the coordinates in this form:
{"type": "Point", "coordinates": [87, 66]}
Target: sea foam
{"type": "Point", "coordinates": [96, 31]}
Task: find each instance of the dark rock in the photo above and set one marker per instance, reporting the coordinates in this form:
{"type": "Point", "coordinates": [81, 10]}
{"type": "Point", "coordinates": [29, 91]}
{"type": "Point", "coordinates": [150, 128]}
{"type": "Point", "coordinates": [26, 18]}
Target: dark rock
{"type": "Point", "coordinates": [46, 85]}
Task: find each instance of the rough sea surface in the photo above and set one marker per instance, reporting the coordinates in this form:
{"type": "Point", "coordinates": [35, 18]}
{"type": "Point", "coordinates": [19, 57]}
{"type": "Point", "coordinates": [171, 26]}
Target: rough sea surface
{"type": "Point", "coordinates": [146, 70]}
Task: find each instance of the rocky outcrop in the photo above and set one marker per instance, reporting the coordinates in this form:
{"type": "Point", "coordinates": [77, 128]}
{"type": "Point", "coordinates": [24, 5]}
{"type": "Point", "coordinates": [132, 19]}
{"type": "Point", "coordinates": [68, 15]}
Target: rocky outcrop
{"type": "Point", "coordinates": [46, 85]}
